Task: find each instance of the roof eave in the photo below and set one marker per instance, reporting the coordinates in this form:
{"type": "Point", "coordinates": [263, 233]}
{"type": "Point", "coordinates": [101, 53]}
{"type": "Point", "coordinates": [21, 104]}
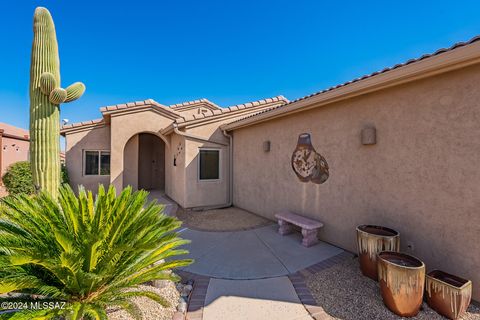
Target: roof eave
{"type": "Point", "coordinates": [447, 61]}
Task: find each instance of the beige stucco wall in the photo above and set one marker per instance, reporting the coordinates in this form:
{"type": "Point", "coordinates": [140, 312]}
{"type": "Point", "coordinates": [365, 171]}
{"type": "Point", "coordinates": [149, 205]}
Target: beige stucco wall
{"type": "Point", "coordinates": [175, 175]}
{"type": "Point", "coordinates": [200, 193]}
{"type": "Point", "coordinates": [130, 160]}
{"type": "Point", "coordinates": [421, 178]}
{"type": "Point", "coordinates": [13, 150]}
{"type": "Point", "coordinates": [123, 127]}
{"type": "Point", "coordinates": [93, 139]}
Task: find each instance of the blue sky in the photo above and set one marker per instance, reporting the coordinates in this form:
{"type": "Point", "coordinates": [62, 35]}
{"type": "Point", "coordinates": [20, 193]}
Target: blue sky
{"type": "Point", "coordinates": [229, 52]}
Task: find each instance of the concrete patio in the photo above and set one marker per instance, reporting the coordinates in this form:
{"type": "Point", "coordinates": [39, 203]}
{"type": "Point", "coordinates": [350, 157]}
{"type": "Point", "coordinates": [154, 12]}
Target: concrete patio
{"type": "Point", "coordinates": [252, 254]}
{"type": "Point", "coordinates": [253, 274]}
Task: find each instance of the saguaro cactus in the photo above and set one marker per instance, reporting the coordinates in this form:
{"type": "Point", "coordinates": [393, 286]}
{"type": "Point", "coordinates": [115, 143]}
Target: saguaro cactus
{"type": "Point", "coordinates": [46, 95]}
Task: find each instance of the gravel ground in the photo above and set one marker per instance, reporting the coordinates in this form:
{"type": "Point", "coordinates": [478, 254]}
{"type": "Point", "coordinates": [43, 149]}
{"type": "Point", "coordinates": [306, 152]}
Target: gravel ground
{"type": "Point", "coordinates": [149, 308]}
{"type": "Point", "coordinates": [344, 293]}
{"type": "Point", "coordinates": [229, 219]}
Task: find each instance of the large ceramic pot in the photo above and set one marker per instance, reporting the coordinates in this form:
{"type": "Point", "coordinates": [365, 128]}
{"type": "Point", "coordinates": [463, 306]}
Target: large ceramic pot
{"type": "Point", "coordinates": [371, 241]}
{"type": "Point", "coordinates": [402, 281]}
{"type": "Point", "coordinates": [447, 294]}
{"type": "Point", "coordinates": [308, 164]}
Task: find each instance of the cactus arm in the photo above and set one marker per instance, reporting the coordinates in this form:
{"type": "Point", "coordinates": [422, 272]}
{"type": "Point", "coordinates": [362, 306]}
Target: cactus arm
{"type": "Point", "coordinates": [58, 95]}
{"type": "Point", "coordinates": [47, 83]}
{"type": "Point", "coordinates": [74, 91]}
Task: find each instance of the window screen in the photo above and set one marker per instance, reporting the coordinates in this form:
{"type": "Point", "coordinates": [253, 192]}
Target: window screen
{"type": "Point", "coordinates": [209, 164]}
{"type": "Point", "coordinates": [91, 162]}
{"type": "Point", "coordinates": [97, 163]}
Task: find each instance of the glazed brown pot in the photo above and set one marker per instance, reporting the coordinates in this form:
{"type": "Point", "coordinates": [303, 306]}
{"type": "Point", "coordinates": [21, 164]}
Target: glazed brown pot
{"type": "Point", "coordinates": [371, 241]}
{"type": "Point", "coordinates": [447, 294]}
{"type": "Point", "coordinates": [402, 281]}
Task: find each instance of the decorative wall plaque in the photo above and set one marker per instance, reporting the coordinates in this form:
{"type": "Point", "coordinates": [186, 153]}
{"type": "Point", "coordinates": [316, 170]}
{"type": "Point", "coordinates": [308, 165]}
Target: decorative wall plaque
{"type": "Point", "coordinates": [307, 163]}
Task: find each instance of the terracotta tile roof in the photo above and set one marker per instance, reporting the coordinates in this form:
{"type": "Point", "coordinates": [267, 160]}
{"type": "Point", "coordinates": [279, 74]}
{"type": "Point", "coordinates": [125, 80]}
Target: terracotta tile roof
{"type": "Point", "coordinates": [202, 101]}
{"type": "Point", "coordinates": [136, 104]}
{"type": "Point", "coordinates": [373, 74]}
{"type": "Point", "coordinates": [179, 117]}
{"type": "Point", "coordinates": [82, 124]}
{"type": "Point", "coordinates": [278, 101]}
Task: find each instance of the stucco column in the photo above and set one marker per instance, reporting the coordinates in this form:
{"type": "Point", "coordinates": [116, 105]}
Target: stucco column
{"type": "Point", "coordinates": [116, 162]}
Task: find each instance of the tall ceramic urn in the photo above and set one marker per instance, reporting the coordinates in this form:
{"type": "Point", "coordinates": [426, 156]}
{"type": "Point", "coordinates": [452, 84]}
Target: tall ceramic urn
{"type": "Point", "coordinates": [371, 241]}
{"type": "Point", "coordinates": [402, 281]}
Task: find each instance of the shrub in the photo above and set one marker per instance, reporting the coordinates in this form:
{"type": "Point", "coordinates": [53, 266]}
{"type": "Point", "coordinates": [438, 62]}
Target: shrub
{"type": "Point", "coordinates": [85, 251]}
{"type": "Point", "coordinates": [18, 178]}
{"type": "Point", "coordinates": [64, 175]}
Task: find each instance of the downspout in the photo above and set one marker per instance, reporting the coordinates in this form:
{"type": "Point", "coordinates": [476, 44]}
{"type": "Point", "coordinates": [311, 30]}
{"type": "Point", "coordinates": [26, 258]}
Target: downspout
{"type": "Point", "coordinates": [230, 168]}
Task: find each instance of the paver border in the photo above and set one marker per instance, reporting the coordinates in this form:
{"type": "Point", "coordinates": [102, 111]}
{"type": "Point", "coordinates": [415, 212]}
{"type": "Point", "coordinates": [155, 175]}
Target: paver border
{"type": "Point", "coordinates": [196, 302]}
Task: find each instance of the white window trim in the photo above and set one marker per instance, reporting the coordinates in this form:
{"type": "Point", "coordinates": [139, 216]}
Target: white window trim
{"type": "Point", "coordinates": [219, 165]}
{"type": "Point", "coordinates": [99, 162]}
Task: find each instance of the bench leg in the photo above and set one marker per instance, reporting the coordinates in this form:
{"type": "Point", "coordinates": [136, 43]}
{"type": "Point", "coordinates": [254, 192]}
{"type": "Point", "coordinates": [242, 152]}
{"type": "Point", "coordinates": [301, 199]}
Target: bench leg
{"type": "Point", "coordinates": [284, 227]}
{"type": "Point", "coordinates": [309, 237]}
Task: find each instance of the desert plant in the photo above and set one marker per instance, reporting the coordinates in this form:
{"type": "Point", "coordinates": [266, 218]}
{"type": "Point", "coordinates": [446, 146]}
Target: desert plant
{"type": "Point", "coordinates": [18, 178]}
{"type": "Point", "coordinates": [86, 251]}
{"type": "Point", "coordinates": [46, 95]}
{"type": "Point", "coordinates": [65, 178]}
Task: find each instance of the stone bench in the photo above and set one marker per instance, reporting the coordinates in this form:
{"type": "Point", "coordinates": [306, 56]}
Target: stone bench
{"type": "Point", "coordinates": [287, 219]}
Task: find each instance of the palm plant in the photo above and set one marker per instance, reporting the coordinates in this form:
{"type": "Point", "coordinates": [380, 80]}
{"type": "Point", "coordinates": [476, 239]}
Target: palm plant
{"type": "Point", "coordinates": [90, 253]}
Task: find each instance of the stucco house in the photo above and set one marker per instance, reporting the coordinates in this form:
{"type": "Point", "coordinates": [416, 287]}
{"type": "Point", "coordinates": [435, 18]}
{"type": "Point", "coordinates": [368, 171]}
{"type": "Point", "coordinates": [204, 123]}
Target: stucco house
{"type": "Point", "coordinates": [179, 149]}
{"type": "Point", "coordinates": [402, 145]}
{"type": "Point", "coordinates": [15, 144]}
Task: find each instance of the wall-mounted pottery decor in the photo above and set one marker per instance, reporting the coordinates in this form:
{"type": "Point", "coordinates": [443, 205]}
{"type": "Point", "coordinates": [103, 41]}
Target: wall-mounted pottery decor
{"type": "Point", "coordinates": [308, 164]}
{"type": "Point", "coordinates": [402, 281]}
{"type": "Point", "coordinates": [369, 136]}
{"type": "Point", "coordinates": [371, 241]}
{"type": "Point", "coordinates": [447, 294]}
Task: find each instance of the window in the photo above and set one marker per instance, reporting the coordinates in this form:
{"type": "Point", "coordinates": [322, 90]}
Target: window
{"type": "Point", "coordinates": [97, 163]}
{"type": "Point", "coordinates": [209, 164]}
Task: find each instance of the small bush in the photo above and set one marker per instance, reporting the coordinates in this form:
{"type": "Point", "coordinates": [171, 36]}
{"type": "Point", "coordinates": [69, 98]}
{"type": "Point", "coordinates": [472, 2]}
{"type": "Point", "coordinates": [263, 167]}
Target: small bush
{"type": "Point", "coordinates": [64, 175]}
{"type": "Point", "coordinates": [18, 178]}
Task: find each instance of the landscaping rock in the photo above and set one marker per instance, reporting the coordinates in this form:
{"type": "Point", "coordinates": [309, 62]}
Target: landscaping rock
{"type": "Point", "coordinates": [149, 308]}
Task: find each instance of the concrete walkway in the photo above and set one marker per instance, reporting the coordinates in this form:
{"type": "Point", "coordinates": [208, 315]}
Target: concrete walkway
{"type": "Point", "coordinates": [244, 274]}
{"type": "Point", "coordinates": [159, 195]}
{"type": "Point", "coordinates": [252, 254]}
{"type": "Point", "coordinates": [273, 298]}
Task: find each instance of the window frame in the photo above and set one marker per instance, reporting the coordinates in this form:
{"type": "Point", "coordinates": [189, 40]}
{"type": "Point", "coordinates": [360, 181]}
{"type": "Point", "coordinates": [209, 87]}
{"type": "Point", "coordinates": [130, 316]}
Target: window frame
{"type": "Point", "coordinates": [219, 150]}
{"type": "Point", "coordinates": [99, 152]}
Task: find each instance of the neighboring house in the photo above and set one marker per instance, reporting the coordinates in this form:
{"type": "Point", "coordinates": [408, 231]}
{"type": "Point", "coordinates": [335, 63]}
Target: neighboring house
{"type": "Point", "coordinates": [15, 144]}
{"type": "Point", "coordinates": [419, 174]}
{"type": "Point", "coordinates": [178, 149]}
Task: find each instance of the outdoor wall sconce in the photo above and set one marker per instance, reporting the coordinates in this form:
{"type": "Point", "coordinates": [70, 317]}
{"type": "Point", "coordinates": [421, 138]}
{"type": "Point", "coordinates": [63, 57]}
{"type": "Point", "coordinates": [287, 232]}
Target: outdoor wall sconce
{"type": "Point", "coordinates": [266, 146]}
{"type": "Point", "coordinates": [174, 161]}
{"type": "Point", "coordinates": [369, 136]}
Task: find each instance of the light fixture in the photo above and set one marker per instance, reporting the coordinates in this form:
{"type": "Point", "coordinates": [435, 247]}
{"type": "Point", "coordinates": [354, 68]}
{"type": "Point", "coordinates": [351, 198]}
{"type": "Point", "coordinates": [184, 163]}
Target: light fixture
{"type": "Point", "coordinates": [266, 146]}
{"type": "Point", "coordinates": [369, 136]}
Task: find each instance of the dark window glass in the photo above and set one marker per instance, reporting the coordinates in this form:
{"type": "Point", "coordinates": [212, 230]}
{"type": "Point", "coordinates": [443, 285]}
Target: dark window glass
{"type": "Point", "coordinates": [104, 162]}
{"type": "Point", "coordinates": [209, 164]}
{"type": "Point", "coordinates": [91, 162]}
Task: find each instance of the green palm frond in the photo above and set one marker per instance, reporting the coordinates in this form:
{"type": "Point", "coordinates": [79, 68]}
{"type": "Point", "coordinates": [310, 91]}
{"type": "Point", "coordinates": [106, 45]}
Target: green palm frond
{"type": "Point", "coordinates": [87, 250]}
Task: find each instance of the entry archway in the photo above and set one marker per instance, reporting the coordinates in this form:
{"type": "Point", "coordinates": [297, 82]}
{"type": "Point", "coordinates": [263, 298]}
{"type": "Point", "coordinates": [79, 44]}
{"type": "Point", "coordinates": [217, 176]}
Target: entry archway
{"type": "Point", "coordinates": [144, 162]}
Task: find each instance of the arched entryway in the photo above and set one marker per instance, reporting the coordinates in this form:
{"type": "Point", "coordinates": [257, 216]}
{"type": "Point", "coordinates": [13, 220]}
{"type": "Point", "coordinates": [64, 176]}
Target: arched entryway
{"type": "Point", "coordinates": [144, 162]}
